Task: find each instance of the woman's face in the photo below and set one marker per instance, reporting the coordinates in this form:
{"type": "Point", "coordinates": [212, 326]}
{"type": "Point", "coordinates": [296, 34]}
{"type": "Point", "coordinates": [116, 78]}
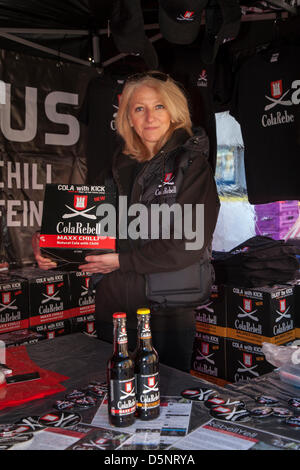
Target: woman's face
{"type": "Point", "coordinates": [148, 116]}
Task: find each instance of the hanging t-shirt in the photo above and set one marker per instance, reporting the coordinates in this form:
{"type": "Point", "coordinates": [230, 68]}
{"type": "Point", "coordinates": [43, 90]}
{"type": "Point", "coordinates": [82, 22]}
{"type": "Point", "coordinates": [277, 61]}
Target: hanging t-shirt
{"type": "Point", "coordinates": [185, 66]}
{"type": "Point", "coordinates": [265, 103]}
{"type": "Point", "coordinates": [98, 112]}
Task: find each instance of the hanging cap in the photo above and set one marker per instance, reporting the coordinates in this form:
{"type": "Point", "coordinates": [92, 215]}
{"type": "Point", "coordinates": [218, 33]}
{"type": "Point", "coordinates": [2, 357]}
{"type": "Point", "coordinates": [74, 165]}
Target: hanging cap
{"type": "Point", "coordinates": [119, 315]}
{"type": "Point", "coordinates": [143, 311]}
{"type": "Point", "coordinates": [180, 20]}
{"type": "Point", "coordinates": [128, 31]}
{"type": "Point", "coordinates": [222, 24]}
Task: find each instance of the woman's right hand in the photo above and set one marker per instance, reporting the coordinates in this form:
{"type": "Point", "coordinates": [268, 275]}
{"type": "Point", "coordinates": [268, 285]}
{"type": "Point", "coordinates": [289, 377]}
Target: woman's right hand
{"type": "Point", "coordinates": [43, 263]}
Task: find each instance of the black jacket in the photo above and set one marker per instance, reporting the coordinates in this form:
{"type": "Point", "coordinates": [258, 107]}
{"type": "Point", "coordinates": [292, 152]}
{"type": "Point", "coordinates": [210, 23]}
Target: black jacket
{"type": "Point", "coordinates": [125, 289]}
{"type": "Point", "coordinates": [197, 186]}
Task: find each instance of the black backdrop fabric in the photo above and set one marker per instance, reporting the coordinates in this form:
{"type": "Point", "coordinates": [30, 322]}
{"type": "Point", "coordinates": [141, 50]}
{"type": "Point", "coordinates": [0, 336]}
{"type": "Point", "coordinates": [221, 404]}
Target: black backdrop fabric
{"type": "Point", "coordinates": [40, 140]}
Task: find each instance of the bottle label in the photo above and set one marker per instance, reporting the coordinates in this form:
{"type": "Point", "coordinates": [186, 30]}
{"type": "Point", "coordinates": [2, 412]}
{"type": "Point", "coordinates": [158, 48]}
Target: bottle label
{"type": "Point", "coordinates": [122, 335]}
{"type": "Point", "coordinates": [148, 395]}
{"type": "Point", "coordinates": [145, 332]}
{"type": "Point", "coordinates": [123, 401]}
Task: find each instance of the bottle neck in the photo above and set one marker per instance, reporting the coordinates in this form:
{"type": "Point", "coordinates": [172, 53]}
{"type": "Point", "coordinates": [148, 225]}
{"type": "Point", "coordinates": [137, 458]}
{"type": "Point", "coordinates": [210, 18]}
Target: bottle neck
{"type": "Point", "coordinates": [144, 337]}
{"type": "Point", "coordinates": [120, 346]}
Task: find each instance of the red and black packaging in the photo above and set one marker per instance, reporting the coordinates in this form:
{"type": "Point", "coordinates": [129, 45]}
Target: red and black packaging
{"type": "Point", "coordinates": [71, 225]}
{"type": "Point", "coordinates": [82, 296]}
{"type": "Point", "coordinates": [49, 296]}
{"type": "Point", "coordinates": [259, 314]}
{"type": "Point", "coordinates": [14, 304]}
{"type": "Point", "coordinates": [209, 357]}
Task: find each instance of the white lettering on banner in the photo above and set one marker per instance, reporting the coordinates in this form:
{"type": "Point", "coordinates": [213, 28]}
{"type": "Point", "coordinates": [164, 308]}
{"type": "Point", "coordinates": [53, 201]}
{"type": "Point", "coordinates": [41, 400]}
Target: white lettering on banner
{"type": "Point", "coordinates": [23, 213]}
{"type": "Point", "coordinates": [50, 108]}
{"type": "Point", "coordinates": [29, 132]}
{"type": "Point", "coordinates": [31, 116]}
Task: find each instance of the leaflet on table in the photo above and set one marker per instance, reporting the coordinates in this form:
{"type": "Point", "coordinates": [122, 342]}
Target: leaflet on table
{"type": "Point", "coordinates": [78, 437]}
{"type": "Point", "coordinates": [217, 435]}
{"type": "Point", "coordinates": [159, 433]}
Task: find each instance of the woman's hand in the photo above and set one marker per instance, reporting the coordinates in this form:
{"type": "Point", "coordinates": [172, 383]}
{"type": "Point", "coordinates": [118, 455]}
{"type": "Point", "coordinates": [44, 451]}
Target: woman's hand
{"type": "Point", "coordinates": [43, 263]}
{"type": "Point", "coordinates": [101, 263]}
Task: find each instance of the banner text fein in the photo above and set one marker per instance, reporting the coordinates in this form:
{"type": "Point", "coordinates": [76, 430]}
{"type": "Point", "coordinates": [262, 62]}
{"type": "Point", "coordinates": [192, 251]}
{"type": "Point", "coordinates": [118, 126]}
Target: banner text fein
{"type": "Point", "coordinates": [31, 116]}
{"type": "Point", "coordinates": [23, 176]}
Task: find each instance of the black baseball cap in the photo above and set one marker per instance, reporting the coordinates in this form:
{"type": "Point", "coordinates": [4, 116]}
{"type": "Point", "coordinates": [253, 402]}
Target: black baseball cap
{"type": "Point", "coordinates": [222, 24]}
{"type": "Point", "coordinates": [127, 28]}
{"type": "Point", "coordinates": [180, 20]}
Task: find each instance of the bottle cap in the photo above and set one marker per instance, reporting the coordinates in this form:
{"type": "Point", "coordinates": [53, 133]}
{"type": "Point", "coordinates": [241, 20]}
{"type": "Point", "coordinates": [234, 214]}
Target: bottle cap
{"type": "Point", "coordinates": [143, 311]}
{"type": "Point", "coordinates": [119, 315]}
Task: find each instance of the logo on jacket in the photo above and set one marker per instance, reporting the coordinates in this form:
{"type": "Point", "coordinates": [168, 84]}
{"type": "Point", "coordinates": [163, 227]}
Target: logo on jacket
{"type": "Point", "coordinates": [167, 185]}
{"type": "Point", "coordinates": [187, 16]}
{"type": "Point", "coordinates": [202, 79]}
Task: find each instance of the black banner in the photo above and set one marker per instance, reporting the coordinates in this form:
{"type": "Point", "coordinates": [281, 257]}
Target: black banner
{"type": "Point", "coordinates": [40, 141]}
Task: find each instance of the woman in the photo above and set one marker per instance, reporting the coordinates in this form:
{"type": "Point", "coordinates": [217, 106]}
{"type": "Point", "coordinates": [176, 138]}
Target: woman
{"type": "Point", "coordinates": [162, 161]}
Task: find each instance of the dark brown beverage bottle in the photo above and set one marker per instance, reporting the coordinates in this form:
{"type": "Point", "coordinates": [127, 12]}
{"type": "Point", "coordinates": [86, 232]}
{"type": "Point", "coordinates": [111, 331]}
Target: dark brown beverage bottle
{"type": "Point", "coordinates": [146, 368]}
{"type": "Point", "coordinates": [120, 377]}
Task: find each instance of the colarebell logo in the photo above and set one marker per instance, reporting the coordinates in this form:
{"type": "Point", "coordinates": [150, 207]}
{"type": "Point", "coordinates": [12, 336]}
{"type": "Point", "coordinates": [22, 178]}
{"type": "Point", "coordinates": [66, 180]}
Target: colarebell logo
{"type": "Point", "coordinates": [79, 209]}
{"type": "Point", "coordinates": [202, 79]}
{"type": "Point", "coordinates": [152, 385]}
{"type": "Point", "coordinates": [52, 294]}
{"type": "Point", "coordinates": [7, 303]}
{"type": "Point", "coordinates": [279, 98]}
{"type": "Point", "coordinates": [204, 354]}
{"type": "Point", "coordinates": [247, 310]}
{"type": "Point", "coordinates": [283, 311]}
{"type": "Point", "coordinates": [246, 365]}
{"type": "Point", "coordinates": [187, 16]}
{"type": "Point", "coordinates": [276, 97]}
{"type": "Point", "coordinates": [129, 391]}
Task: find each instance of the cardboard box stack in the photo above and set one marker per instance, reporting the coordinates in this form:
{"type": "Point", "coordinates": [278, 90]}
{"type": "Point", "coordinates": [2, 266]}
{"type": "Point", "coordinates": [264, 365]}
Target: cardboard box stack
{"type": "Point", "coordinates": [14, 306]}
{"type": "Point", "coordinates": [36, 304]}
{"type": "Point", "coordinates": [209, 355]}
{"type": "Point", "coordinates": [232, 327]}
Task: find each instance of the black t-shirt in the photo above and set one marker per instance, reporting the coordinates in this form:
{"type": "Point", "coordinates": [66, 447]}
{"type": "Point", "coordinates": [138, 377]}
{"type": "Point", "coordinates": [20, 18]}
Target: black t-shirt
{"type": "Point", "coordinates": [265, 103]}
{"type": "Point", "coordinates": [98, 113]}
{"type": "Point", "coordinates": [184, 65]}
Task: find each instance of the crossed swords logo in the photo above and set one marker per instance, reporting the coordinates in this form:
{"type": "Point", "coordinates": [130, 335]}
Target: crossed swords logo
{"type": "Point", "coordinates": [131, 393]}
{"type": "Point", "coordinates": [148, 389]}
{"type": "Point", "coordinates": [83, 213]}
{"type": "Point", "coordinates": [279, 100]}
{"type": "Point", "coordinates": [8, 306]}
{"type": "Point", "coordinates": [247, 314]}
{"type": "Point", "coordinates": [206, 307]}
{"type": "Point", "coordinates": [50, 297]}
{"type": "Point", "coordinates": [250, 370]}
{"type": "Point", "coordinates": [201, 357]}
{"type": "Point", "coordinates": [234, 414]}
{"type": "Point", "coordinates": [283, 314]}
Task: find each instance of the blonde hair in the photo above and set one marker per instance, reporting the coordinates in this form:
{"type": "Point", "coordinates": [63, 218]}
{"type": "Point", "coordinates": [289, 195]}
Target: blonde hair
{"type": "Point", "coordinates": [173, 98]}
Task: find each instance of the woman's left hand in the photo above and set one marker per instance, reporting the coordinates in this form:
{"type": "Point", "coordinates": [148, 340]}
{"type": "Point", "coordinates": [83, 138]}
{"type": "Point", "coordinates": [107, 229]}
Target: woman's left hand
{"type": "Point", "coordinates": [101, 263]}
